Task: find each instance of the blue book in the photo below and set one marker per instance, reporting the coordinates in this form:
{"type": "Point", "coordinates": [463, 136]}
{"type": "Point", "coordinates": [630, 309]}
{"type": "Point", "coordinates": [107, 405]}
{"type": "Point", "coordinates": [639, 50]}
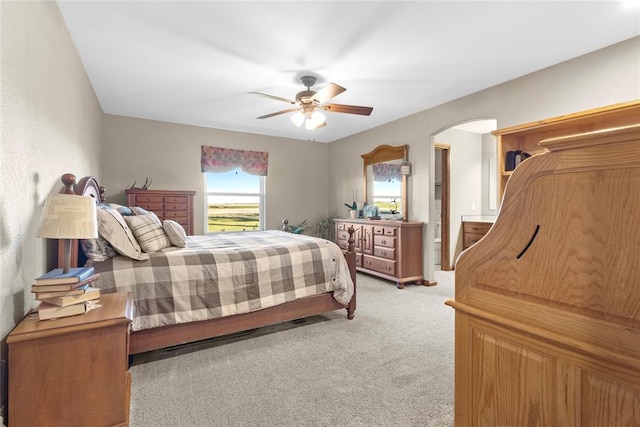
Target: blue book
{"type": "Point", "coordinates": [57, 277]}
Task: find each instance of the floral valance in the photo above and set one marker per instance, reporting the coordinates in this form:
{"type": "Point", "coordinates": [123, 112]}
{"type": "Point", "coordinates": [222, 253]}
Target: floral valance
{"type": "Point", "coordinates": [386, 172]}
{"type": "Point", "coordinates": [217, 160]}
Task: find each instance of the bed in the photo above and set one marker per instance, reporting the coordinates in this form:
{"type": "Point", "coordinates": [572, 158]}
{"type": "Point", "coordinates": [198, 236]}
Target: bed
{"type": "Point", "coordinates": [217, 284]}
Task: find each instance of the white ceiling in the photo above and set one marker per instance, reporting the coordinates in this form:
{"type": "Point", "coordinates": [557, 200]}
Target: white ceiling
{"type": "Point", "coordinates": [194, 62]}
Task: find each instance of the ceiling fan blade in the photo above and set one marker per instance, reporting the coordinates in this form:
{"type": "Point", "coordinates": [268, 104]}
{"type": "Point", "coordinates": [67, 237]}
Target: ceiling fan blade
{"type": "Point", "coordinates": [277, 113]}
{"type": "Point", "coordinates": [277, 98]}
{"type": "Point", "coordinates": [327, 92]}
{"type": "Point", "coordinates": [351, 109]}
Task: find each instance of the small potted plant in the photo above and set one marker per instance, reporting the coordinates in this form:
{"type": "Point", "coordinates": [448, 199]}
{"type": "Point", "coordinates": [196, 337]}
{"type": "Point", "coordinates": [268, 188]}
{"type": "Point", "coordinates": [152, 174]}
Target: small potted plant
{"type": "Point", "coordinates": [353, 209]}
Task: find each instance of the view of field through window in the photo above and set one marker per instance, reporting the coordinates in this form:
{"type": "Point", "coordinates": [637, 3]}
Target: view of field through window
{"type": "Point", "coordinates": [233, 201]}
{"type": "Point", "coordinates": [388, 196]}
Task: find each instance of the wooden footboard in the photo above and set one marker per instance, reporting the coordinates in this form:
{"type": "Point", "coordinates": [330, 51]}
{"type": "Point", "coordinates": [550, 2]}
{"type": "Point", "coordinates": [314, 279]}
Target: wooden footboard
{"type": "Point", "coordinates": [166, 336]}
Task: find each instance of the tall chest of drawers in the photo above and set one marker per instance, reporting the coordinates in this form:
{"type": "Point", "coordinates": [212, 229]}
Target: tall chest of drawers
{"type": "Point", "coordinates": [388, 249]}
{"type": "Point", "coordinates": [166, 204]}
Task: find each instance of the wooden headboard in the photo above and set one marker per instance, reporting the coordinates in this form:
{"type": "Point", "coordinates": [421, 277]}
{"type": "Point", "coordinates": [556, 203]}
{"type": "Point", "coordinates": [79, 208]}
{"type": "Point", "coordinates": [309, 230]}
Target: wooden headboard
{"type": "Point", "coordinates": [87, 186]}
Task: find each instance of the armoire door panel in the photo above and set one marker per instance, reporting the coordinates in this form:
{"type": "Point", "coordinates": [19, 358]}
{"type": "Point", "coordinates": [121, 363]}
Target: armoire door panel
{"type": "Point", "coordinates": [606, 401]}
{"type": "Point", "coordinates": [512, 384]}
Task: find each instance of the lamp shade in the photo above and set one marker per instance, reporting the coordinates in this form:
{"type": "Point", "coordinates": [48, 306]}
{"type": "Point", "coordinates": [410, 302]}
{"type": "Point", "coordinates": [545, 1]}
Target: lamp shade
{"type": "Point", "coordinates": [68, 216]}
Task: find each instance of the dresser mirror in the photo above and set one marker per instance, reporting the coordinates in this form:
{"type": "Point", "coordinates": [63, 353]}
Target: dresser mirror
{"type": "Point", "coordinates": [385, 184]}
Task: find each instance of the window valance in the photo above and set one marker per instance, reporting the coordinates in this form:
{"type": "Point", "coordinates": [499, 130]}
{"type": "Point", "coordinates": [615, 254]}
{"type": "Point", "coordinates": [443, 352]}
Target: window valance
{"type": "Point", "coordinates": [386, 172]}
{"type": "Point", "coordinates": [218, 160]}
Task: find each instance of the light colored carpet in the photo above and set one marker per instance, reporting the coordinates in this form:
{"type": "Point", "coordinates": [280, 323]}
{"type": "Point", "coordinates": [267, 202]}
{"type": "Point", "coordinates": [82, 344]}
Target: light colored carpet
{"type": "Point", "coordinates": [390, 366]}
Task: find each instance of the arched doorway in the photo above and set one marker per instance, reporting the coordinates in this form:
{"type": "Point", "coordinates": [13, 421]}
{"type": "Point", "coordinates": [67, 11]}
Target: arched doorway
{"type": "Point", "coordinates": [468, 172]}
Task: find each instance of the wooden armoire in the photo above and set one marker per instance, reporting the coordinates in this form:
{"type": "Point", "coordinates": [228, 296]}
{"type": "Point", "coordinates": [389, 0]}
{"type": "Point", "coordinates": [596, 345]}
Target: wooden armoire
{"type": "Point", "coordinates": [548, 302]}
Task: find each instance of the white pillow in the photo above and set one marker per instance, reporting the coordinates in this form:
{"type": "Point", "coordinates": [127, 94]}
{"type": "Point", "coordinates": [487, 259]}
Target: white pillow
{"type": "Point", "coordinates": [148, 231]}
{"type": "Point", "coordinates": [112, 226]}
{"type": "Point", "coordinates": [176, 233]}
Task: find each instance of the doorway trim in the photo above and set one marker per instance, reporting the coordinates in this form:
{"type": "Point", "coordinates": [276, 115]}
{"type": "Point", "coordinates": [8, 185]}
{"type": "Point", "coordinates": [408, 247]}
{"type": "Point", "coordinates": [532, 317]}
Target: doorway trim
{"type": "Point", "coordinates": [445, 258]}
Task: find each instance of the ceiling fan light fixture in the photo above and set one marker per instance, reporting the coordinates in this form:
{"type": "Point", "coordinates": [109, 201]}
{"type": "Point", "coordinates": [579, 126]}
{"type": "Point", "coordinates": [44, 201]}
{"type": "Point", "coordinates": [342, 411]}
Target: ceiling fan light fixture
{"type": "Point", "coordinates": [308, 103]}
{"type": "Point", "coordinates": [315, 120]}
{"type": "Point", "coordinates": [298, 118]}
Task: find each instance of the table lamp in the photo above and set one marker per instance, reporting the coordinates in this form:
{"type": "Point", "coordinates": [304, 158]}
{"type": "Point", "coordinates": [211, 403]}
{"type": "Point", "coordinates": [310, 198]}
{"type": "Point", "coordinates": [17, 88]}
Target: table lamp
{"type": "Point", "coordinates": [68, 217]}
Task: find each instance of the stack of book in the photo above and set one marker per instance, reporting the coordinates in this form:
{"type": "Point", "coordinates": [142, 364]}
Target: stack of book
{"type": "Point", "coordinates": [65, 294]}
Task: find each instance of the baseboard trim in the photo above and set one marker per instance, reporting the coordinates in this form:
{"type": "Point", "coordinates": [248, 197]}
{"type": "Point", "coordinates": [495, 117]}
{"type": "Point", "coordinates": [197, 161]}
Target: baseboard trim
{"type": "Point", "coordinates": [426, 282]}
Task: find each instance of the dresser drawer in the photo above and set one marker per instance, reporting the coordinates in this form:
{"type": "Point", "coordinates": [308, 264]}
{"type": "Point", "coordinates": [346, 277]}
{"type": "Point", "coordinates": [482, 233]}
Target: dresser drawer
{"type": "Point", "coordinates": [386, 231]}
{"type": "Point", "coordinates": [379, 265]}
{"type": "Point", "coordinates": [386, 241]}
{"type": "Point", "coordinates": [143, 198]}
{"type": "Point", "coordinates": [342, 244]}
{"type": "Point", "coordinates": [175, 215]}
{"type": "Point", "coordinates": [471, 239]}
{"type": "Point", "coordinates": [476, 227]}
{"type": "Point", "coordinates": [383, 252]}
{"type": "Point", "coordinates": [342, 234]}
{"type": "Point", "coordinates": [153, 207]}
{"type": "Point", "coordinates": [176, 207]}
{"type": "Point", "coordinates": [378, 229]}
{"type": "Point", "coordinates": [183, 200]}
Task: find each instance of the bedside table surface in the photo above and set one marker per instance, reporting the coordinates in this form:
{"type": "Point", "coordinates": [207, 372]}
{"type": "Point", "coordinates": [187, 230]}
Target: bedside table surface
{"type": "Point", "coordinates": [114, 308]}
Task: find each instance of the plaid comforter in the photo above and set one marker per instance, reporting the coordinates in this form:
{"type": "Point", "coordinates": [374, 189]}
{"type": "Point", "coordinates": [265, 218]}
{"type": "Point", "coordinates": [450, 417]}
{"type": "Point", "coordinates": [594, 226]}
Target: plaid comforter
{"type": "Point", "coordinates": [224, 274]}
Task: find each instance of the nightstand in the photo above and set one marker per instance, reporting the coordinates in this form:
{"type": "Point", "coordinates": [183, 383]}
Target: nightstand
{"type": "Point", "coordinates": [72, 371]}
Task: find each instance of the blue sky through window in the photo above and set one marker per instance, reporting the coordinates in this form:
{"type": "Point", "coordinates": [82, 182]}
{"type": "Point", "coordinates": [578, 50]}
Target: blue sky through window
{"type": "Point", "coordinates": [388, 189]}
{"type": "Point", "coordinates": [234, 181]}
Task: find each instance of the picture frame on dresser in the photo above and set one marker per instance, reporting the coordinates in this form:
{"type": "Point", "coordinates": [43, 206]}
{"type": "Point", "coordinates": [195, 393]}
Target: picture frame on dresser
{"type": "Point", "coordinates": [370, 212]}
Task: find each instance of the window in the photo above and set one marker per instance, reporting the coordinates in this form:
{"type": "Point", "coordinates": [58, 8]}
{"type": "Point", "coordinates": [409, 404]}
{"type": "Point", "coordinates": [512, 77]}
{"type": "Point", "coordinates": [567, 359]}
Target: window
{"type": "Point", "coordinates": [234, 201]}
{"type": "Point", "coordinates": [388, 196]}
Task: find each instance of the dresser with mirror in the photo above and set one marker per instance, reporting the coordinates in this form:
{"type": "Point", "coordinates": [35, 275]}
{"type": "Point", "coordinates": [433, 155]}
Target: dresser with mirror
{"type": "Point", "coordinates": [387, 244]}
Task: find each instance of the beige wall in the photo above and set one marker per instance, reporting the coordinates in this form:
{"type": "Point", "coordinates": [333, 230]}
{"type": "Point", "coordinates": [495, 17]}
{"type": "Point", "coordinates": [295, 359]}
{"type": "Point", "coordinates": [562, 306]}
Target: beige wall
{"type": "Point", "coordinates": [50, 123]}
{"type": "Point", "coordinates": [603, 77]}
{"type": "Point", "coordinates": [169, 155]}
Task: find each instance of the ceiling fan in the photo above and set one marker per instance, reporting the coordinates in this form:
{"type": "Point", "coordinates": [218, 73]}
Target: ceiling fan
{"type": "Point", "coordinates": [308, 102]}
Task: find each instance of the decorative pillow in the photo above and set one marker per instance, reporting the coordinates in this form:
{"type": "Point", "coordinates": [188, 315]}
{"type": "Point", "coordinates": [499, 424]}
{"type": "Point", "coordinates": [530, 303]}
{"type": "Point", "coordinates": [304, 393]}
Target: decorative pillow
{"type": "Point", "coordinates": [137, 210]}
{"type": "Point", "coordinates": [176, 233]}
{"type": "Point", "coordinates": [112, 226]}
{"type": "Point", "coordinates": [124, 210]}
{"type": "Point", "coordinates": [97, 249]}
{"type": "Point", "coordinates": [148, 230]}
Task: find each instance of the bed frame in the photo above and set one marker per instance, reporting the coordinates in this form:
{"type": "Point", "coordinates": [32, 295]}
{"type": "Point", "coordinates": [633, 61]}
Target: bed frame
{"type": "Point", "coordinates": [171, 335]}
